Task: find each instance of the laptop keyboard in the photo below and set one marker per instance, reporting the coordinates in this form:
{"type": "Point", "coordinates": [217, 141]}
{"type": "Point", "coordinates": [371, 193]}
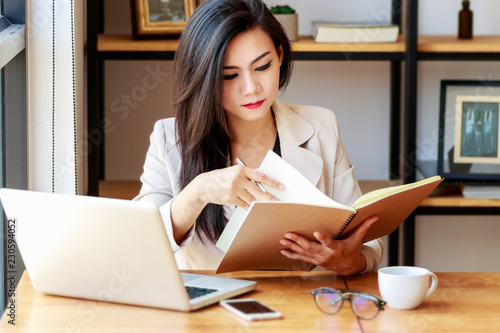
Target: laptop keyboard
{"type": "Point", "coordinates": [194, 292]}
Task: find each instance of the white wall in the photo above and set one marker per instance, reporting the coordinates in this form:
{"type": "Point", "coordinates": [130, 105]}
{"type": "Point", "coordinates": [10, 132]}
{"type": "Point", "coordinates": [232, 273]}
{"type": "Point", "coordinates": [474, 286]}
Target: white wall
{"type": "Point", "coordinates": [357, 91]}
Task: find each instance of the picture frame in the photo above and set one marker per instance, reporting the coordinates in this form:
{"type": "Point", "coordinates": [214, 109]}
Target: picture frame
{"type": "Point", "coordinates": [469, 132]}
{"type": "Point", "coordinates": [154, 19]}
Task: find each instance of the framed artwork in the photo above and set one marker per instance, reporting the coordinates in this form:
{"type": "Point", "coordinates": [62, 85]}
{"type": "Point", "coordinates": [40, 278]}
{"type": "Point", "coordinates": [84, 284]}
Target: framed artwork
{"type": "Point", "coordinates": [160, 18]}
{"type": "Point", "coordinates": [469, 127]}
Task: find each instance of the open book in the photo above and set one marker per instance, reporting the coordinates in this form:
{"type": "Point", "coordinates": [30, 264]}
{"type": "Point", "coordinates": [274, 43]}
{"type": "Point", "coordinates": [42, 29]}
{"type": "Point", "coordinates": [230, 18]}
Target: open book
{"type": "Point", "coordinates": [251, 237]}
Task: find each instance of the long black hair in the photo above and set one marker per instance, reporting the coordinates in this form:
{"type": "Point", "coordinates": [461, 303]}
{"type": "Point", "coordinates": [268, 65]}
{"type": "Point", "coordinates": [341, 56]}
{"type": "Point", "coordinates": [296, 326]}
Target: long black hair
{"type": "Point", "coordinates": [202, 132]}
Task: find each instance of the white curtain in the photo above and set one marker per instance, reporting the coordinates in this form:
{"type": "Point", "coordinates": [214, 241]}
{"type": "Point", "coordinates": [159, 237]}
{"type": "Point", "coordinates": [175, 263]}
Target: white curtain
{"type": "Point", "coordinates": [55, 35]}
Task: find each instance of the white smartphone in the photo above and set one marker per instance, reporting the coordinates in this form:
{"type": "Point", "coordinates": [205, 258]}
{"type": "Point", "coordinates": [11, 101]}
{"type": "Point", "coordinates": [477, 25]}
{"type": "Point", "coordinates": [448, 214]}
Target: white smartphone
{"type": "Point", "coordinates": [250, 309]}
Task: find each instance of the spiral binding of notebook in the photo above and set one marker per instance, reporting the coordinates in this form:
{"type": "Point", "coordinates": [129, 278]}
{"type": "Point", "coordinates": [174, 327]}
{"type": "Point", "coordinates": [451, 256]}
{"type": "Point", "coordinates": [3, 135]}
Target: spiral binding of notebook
{"type": "Point", "coordinates": [344, 225]}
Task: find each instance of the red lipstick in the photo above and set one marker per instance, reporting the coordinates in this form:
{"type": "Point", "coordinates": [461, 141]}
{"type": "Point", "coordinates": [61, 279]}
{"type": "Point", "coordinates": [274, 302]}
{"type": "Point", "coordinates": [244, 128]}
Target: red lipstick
{"type": "Point", "coordinates": [254, 105]}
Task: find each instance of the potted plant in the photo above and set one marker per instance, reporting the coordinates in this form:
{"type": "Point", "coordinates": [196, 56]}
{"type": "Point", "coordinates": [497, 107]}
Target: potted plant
{"type": "Point", "coordinates": [288, 18]}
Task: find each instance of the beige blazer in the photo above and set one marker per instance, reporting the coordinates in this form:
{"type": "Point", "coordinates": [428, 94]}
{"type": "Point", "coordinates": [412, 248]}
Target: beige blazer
{"type": "Point", "coordinates": [309, 140]}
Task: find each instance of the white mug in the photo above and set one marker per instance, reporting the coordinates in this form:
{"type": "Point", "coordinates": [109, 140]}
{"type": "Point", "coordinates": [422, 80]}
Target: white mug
{"type": "Point", "coordinates": [405, 287]}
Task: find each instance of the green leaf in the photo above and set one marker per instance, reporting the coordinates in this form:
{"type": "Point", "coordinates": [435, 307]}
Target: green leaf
{"type": "Point", "coordinates": [282, 10]}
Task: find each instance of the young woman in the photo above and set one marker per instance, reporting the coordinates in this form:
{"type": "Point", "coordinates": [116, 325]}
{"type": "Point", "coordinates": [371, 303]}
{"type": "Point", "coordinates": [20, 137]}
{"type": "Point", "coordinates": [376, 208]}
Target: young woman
{"type": "Point", "coordinates": [232, 59]}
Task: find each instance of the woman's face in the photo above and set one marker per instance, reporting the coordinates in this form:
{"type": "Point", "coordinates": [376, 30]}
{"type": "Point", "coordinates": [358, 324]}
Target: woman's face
{"type": "Point", "coordinates": [251, 76]}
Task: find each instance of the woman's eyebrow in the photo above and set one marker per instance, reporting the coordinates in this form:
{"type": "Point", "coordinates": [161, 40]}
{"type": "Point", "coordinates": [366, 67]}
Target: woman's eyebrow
{"type": "Point", "coordinates": [253, 62]}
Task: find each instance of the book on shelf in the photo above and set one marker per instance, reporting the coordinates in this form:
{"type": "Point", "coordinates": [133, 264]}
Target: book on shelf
{"type": "Point", "coordinates": [481, 191]}
{"type": "Point", "coordinates": [251, 237]}
{"type": "Point", "coordinates": [332, 32]}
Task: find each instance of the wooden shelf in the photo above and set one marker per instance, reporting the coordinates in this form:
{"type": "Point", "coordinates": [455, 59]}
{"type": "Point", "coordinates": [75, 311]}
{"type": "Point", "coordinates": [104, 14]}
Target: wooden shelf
{"type": "Point", "coordinates": [127, 189]}
{"type": "Point", "coordinates": [125, 43]}
{"type": "Point", "coordinates": [307, 44]}
{"type": "Point", "coordinates": [448, 44]}
{"type": "Point", "coordinates": [451, 196]}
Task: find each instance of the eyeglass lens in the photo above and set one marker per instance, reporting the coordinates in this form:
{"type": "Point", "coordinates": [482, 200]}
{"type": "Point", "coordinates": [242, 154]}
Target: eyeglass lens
{"type": "Point", "coordinates": [330, 301]}
{"type": "Point", "coordinates": [364, 307]}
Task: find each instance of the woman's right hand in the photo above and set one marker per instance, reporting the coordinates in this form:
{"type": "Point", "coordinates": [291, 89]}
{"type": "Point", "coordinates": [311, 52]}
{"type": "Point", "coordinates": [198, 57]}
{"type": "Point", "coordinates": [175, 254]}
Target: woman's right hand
{"type": "Point", "coordinates": [233, 186]}
{"type": "Point", "coordinates": [229, 186]}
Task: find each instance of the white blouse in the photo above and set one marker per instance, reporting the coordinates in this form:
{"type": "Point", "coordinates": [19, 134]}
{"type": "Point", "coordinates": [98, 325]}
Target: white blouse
{"type": "Point", "coordinates": [309, 141]}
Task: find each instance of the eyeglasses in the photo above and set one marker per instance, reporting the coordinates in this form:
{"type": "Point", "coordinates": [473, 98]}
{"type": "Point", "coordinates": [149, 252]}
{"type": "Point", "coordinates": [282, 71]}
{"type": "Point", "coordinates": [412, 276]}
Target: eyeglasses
{"type": "Point", "coordinates": [364, 305]}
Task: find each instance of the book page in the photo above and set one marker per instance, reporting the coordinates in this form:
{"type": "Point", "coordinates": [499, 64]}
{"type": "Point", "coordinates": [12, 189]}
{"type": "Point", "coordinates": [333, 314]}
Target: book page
{"type": "Point", "coordinates": [231, 229]}
{"type": "Point", "coordinates": [298, 188]}
{"type": "Point", "coordinates": [385, 192]}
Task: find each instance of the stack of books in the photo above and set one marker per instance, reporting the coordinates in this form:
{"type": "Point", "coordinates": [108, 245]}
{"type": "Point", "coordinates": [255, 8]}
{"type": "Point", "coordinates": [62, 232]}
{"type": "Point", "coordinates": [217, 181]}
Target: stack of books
{"type": "Point", "coordinates": [331, 32]}
{"type": "Point", "coordinates": [481, 191]}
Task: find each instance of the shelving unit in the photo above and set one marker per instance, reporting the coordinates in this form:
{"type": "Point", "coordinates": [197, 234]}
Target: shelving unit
{"type": "Point", "coordinates": [449, 200]}
{"type": "Point", "coordinates": [409, 49]}
{"type": "Point", "coordinates": [102, 47]}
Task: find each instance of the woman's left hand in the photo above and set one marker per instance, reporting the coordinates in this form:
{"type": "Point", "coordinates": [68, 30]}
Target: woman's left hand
{"type": "Point", "coordinates": [341, 256]}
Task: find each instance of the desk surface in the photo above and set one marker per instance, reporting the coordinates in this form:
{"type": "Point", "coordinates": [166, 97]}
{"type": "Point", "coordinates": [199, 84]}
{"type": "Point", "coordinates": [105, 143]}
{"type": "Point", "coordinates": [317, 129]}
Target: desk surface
{"type": "Point", "coordinates": [463, 302]}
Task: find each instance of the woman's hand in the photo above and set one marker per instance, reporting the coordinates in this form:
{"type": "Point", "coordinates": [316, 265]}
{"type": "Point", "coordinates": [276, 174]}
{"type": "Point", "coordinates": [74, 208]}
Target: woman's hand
{"type": "Point", "coordinates": [229, 186]}
{"type": "Point", "coordinates": [341, 256]}
{"type": "Point", "coordinates": [234, 186]}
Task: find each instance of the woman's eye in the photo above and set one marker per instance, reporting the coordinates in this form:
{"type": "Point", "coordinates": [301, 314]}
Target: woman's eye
{"type": "Point", "coordinates": [230, 77]}
{"type": "Point", "coordinates": [266, 66]}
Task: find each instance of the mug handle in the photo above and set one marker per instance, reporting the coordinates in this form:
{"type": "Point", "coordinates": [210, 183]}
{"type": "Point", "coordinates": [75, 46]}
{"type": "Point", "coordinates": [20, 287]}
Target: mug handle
{"type": "Point", "coordinates": [434, 284]}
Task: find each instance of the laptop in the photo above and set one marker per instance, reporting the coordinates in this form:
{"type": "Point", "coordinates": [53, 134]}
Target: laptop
{"type": "Point", "coordinates": [108, 250]}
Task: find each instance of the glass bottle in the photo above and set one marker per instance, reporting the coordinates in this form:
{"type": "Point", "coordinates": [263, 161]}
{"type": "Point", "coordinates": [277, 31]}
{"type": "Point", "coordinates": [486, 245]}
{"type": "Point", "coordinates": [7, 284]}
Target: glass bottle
{"type": "Point", "coordinates": [465, 21]}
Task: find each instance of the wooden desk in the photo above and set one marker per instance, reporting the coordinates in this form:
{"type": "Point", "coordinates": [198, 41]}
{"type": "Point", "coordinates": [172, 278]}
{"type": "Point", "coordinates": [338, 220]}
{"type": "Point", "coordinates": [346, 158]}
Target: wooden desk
{"type": "Point", "coordinates": [463, 302]}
